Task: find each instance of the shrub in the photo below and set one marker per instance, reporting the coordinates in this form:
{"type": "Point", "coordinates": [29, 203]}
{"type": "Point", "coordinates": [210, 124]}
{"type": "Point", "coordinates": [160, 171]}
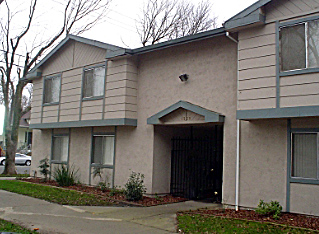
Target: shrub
{"type": "Point", "coordinates": [273, 208]}
{"type": "Point", "coordinates": [65, 176]}
{"type": "Point", "coordinates": [134, 188]}
{"type": "Point", "coordinates": [44, 168]}
{"type": "Point", "coordinates": [116, 190]}
{"type": "Point", "coordinates": [102, 185]}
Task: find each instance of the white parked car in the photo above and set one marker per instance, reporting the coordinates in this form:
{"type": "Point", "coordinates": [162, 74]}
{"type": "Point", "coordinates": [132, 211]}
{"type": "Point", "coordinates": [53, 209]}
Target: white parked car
{"type": "Point", "coordinates": [21, 159]}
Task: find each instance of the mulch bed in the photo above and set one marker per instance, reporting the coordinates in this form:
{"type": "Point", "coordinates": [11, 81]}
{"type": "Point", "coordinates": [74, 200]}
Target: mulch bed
{"type": "Point", "coordinates": [119, 197]}
{"type": "Point", "coordinates": [290, 219]}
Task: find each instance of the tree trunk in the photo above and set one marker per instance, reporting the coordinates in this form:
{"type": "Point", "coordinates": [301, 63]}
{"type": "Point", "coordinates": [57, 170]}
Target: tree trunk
{"type": "Point", "coordinates": [11, 134]}
{"type": "Point", "coordinates": [10, 168]}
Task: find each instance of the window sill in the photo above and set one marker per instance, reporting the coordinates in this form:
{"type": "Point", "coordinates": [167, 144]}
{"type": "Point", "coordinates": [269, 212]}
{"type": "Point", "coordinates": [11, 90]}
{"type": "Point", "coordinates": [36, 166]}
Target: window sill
{"type": "Point", "coordinates": [299, 72]}
{"type": "Point", "coordinates": [58, 162]}
{"type": "Point", "coordinates": [303, 180]}
{"type": "Point", "coordinates": [51, 104]}
{"type": "Point", "coordinates": [92, 98]}
{"type": "Point", "coordinates": [102, 166]}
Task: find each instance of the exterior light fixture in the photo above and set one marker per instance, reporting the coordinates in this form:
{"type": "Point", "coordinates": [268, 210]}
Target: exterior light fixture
{"type": "Point", "coordinates": [183, 77]}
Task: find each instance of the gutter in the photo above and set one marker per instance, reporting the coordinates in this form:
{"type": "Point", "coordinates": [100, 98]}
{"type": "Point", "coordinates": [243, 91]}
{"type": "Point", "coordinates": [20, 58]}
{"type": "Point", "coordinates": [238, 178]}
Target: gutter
{"type": "Point", "coordinates": [238, 137]}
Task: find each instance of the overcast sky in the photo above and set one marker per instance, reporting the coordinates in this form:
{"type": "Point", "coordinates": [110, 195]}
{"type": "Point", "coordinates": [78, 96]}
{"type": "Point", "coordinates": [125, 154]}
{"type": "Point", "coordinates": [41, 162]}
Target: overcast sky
{"type": "Point", "coordinates": [119, 27]}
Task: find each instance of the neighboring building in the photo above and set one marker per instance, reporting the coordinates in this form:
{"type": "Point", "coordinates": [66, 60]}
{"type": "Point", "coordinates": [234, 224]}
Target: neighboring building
{"type": "Point", "coordinates": [242, 127]}
{"type": "Point", "coordinates": [24, 132]}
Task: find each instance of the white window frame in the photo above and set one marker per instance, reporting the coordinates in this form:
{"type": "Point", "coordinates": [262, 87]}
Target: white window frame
{"type": "Point", "coordinates": [84, 95]}
{"type": "Point", "coordinates": [46, 92]}
{"type": "Point", "coordinates": [292, 154]}
{"type": "Point", "coordinates": [54, 136]}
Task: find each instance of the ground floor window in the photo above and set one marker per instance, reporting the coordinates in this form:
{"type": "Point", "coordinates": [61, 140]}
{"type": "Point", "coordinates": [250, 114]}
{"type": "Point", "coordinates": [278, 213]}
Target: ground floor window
{"type": "Point", "coordinates": [60, 149]}
{"type": "Point", "coordinates": [305, 156]}
{"type": "Point", "coordinates": [103, 150]}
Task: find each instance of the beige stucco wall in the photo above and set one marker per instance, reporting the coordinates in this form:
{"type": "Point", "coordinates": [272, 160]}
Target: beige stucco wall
{"type": "Point", "coordinates": [80, 152]}
{"type": "Point", "coordinates": [304, 199]}
{"type": "Point", "coordinates": [263, 166]}
{"type": "Point", "coordinates": [41, 142]}
{"type": "Point", "coordinates": [211, 66]}
{"type": "Point", "coordinates": [263, 162]}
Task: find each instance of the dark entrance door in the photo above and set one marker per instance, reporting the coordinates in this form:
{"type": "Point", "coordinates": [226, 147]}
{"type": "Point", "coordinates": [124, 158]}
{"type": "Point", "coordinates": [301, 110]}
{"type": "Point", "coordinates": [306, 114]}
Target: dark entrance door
{"type": "Point", "coordinates": [196, 166]}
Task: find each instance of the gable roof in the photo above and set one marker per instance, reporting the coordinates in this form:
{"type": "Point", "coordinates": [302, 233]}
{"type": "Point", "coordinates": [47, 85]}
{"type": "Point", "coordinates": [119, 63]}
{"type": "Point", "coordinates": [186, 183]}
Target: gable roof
{"type": "Point", "coordinates": [250, 15]}
{"type": "Point", "coordinates": [33, 72]}
{"type": "Point", "coordinates": [24, 121]}
{"type": "Point", "coordinates": [210, 116]}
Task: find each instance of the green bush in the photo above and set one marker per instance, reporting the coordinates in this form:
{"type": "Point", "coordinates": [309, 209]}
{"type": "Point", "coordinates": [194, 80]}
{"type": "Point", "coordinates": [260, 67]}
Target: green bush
{"type": "Point", "coordinates": [273, 208]}
{"type": "Point", "coordinates": [65, 176]}
{"type": "Point", "coordinates": [102, 186]}
{"type": "Point", "coordinates": [116, 190]}
{"type": "Point", "coordinates": [44, 168]}
{"type": "Point", "coordinates": [134, 188]}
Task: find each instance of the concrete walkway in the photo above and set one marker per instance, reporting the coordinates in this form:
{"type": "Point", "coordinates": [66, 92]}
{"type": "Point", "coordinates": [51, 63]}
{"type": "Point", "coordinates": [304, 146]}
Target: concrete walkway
{"type": "Point", "coordinates": [52, 218]}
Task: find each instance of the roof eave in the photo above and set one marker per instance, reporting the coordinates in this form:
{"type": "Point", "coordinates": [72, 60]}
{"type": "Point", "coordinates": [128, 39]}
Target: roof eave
{"type": "Point", "coordinates": [167, 44]}
{"type": "Point", "coordinates": [251, 20]}
{"type": "Point", "coordinates": [78, 39]}
{"type": "Point", "coordinates": [250, 16]}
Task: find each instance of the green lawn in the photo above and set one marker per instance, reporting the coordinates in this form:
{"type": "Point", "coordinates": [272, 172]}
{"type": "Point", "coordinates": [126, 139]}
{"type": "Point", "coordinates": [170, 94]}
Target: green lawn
{"type": "Point", "coordinates": [6, 226]}
{"type": "Point", "coordinates": [55, 195]}
{"type": "Point", "coordinates": [18, 175]}
{"type": "Point", "coordinates": [211, 224]}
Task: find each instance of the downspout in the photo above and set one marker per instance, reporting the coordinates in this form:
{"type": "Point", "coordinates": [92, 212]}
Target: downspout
{"type": "Point", "coordinates": [238, 137]}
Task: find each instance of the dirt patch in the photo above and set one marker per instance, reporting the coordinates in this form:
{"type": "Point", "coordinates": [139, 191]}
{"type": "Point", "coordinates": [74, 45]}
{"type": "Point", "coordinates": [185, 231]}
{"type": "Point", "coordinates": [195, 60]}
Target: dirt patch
{"type": "Point", "coordinates": [290, 219]}
{"type": "Point", "coordinates": [112, 195]}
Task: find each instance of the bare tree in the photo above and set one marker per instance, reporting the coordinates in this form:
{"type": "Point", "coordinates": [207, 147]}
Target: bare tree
{"type": "Point", "coordinates": [78, 17]}
{"type": "Point", "coordinates": [171, 19]}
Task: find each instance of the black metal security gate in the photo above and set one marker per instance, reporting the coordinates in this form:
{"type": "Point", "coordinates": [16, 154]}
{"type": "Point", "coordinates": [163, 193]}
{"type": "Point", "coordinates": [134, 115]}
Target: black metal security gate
{"type": "Point", "coordinates": [196, 167]}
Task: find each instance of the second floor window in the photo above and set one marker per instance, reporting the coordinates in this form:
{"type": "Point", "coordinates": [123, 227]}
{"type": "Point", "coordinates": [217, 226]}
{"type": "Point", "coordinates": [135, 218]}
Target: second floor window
{"type": "Point", "coordinates": [93, 84]}
{"type": "Point", "coordinates": [52, 89]}
{"type": "Point", "coordinates": [299, 46]}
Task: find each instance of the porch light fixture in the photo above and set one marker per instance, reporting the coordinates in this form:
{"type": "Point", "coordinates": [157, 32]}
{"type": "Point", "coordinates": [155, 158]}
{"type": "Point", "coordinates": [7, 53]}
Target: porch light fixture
{"type": "Point", "coordinates": [183, 77]}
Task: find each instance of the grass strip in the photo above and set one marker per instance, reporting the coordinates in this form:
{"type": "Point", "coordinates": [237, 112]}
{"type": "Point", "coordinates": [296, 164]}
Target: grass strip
{"type": "Point", "coordinates": [17, 175]}
{"type": "Point", "coordinates": [55, 195]}
{"type": "Point", "coordinates": [211, 224]}
{"type": "Point", "coordinates": [6, 226]}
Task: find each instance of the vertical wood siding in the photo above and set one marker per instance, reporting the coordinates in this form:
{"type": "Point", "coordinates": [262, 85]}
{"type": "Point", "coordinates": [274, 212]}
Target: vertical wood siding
{"type": "Point", "coordinates": [257, 68]}
{"type": "Point", "coordinates": [281, 9]}
{"type": "Point", "coordinates": [86, 54]}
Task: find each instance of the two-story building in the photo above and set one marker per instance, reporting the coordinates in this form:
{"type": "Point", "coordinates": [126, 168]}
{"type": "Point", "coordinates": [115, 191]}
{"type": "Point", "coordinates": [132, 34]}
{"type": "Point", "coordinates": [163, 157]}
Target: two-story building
{"type": "Point", "coordinates": [229, 114]}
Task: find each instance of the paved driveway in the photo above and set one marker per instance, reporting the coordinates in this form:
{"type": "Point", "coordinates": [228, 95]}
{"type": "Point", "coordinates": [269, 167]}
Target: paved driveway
{"type": "Point", "coordinates": [53, 218]}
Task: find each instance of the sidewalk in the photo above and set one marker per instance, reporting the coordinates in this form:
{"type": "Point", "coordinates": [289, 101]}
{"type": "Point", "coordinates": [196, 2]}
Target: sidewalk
{"type": "Point", "coordinates": [53, 218]}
